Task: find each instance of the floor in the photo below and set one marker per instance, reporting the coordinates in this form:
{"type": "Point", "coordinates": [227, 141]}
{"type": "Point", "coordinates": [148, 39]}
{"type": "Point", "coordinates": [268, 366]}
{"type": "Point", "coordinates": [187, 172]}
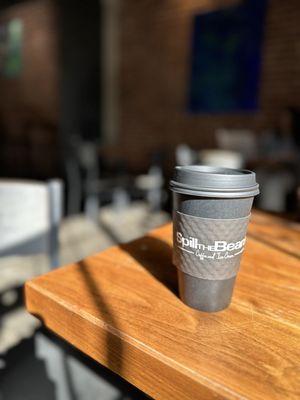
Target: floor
{"type": "Point", "coordinates": [46, 368]}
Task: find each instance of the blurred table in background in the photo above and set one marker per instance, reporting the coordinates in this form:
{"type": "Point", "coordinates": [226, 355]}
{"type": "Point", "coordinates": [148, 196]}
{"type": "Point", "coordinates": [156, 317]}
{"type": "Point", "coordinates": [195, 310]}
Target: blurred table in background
{"type": "Point", "coordinates": [121, 308]}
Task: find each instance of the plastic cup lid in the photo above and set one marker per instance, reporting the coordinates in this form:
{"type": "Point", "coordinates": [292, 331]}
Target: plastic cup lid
{"type": "Point", "coordinates": [203, 180]}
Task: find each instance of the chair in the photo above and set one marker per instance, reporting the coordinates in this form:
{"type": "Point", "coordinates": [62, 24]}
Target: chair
{"type": "Point", "coordinates": [184, 155]}
{"type": "Point", "coordinates": [30, 214]}
{"type": "Point", "coordinates": [221, 158]}
{"type": "Point", "coordinates": [242, 141]}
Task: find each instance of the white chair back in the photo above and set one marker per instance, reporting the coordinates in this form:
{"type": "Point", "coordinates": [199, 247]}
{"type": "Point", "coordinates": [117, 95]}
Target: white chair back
{"type": "Point", "coordinates": [221, 158]}
{"type": "Point", "coordinates": [30, 214]}
{"type": "Point", "coordinates": [243, 141]}
{"type": "Point", "coordinates": [184, 155]}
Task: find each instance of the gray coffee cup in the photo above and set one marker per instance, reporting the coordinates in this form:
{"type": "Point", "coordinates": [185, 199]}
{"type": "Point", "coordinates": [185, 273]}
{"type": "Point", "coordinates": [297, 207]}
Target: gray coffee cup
{"type": "Point", "coordinates": [211, 211]}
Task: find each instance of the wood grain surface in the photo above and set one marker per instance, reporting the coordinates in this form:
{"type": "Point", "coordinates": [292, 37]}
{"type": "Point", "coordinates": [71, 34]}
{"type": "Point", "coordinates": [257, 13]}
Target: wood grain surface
{"type": "Point", "coordinates": [276, 231]}
{"type": "Point", "coordinates": [121, 308]}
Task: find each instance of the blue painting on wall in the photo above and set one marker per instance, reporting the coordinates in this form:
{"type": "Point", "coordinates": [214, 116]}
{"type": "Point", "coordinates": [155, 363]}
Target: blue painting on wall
{"type": "Point", "coordinates": [226, 58]}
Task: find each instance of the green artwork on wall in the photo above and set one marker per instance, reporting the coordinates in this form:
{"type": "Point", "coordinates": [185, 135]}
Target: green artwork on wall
{"type": "Point", "coordinates": [11, 36]}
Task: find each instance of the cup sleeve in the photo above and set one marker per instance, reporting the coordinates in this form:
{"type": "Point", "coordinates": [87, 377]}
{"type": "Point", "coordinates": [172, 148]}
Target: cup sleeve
{"type": "Point", "coordinates": [208, 248]}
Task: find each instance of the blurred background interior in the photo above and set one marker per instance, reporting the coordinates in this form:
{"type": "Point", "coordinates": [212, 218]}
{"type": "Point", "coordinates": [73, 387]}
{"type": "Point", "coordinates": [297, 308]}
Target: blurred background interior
{"type": "Point", "coordinates": [99, 100]}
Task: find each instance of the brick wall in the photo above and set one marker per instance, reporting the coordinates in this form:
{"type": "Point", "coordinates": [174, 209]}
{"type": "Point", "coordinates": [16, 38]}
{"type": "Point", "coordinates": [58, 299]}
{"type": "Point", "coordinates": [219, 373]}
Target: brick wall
{"type": "Point", "coordinates": [155, 54]}
{"type": "Point", "coordinates": [29, 102]}
{"type": "Point", "coordinates": [57, 91]}
{"type": "Point", "coordinates": [154, 73]}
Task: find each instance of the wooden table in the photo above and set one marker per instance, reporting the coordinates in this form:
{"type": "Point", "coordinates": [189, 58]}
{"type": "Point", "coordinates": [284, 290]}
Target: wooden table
{"type": "Point", "coordinates": [121, 308]}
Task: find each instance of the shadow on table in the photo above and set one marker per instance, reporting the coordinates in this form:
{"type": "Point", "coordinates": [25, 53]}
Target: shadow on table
{"type": "Point", "coordinates": [113, 342]}
{"type": "Point", "coordinates": [155, 256]}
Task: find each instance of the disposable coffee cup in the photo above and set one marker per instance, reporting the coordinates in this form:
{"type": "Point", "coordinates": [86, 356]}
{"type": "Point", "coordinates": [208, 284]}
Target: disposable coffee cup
{"type": "Point", "coordinates": [211, 211]}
